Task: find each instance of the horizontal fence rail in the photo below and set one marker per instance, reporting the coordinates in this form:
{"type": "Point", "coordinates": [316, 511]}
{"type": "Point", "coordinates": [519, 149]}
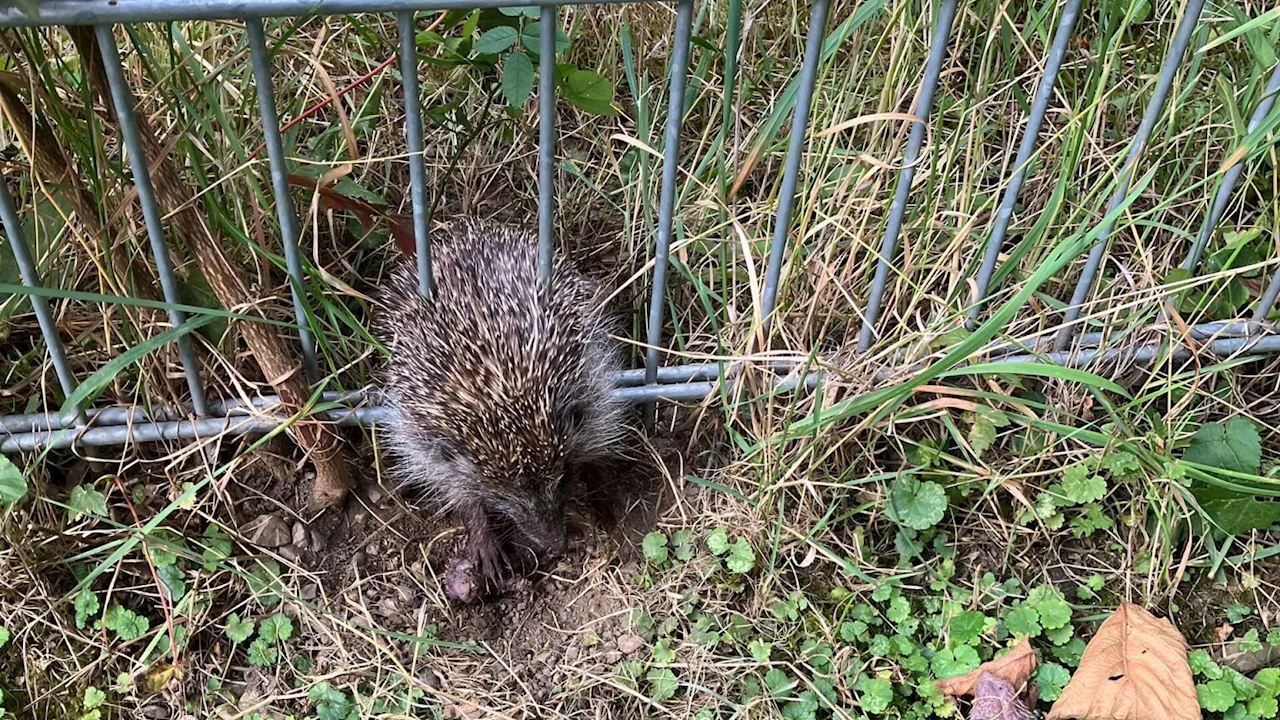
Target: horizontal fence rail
{"type": "Point", "coordinates": [204, 419]}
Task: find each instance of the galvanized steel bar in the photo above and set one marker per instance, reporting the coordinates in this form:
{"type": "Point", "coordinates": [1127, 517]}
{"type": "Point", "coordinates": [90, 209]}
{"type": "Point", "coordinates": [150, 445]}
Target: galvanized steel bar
{"type": "Point", "coordinates": [280, 185]}
{"type": "Point", "coordinates": [1232, 175]}
{"type": "Point", "coordinates": [795, 152]}
{"type": "Point", "coordinates": [1182, 38]}
{"type": "Point", "coordinates": [1030, 135]}
{"type": "Point", "coordinates": [123, 99]}
{"type": "Point", "coordinates": [670, 173]}
{"type": "Point", "coordinates": [897, 211]}
{"type": "Point", "coordinates": [546, 139]}
{"type": "Point", "coordinates": [417, 162]}
{"type": "Point", "coordinates": [27, 267]}
{"type": "Point", "coordinates": [94, 12]}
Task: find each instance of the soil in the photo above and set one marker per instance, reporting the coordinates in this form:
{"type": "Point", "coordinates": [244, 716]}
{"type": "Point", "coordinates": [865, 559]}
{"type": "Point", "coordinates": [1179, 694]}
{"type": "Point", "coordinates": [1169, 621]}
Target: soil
{"type": "Point", "coordinates": [380, 563]}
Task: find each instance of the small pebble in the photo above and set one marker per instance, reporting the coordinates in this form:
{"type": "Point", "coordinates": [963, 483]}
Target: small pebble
{"type": "Point", "coordinates": [288, 552]}
{"type": "Point", "coordinates": [309, 591]}
{"type": "Point", "coordinates": [301, 538]}
{"type": "Point", "coordinates": [613, 657]}
{"type": "Point", "coordinates": [629, 644]}
{"type": "Point", "coordinates": [267, 531]}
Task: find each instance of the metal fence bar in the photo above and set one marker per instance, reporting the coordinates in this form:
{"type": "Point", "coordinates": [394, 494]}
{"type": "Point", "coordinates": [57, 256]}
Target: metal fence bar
{"type": "Point", "coordinates": [1172, 61]}
{"type": "Point", "coordinates": [1232, 175]}
{"type": "Point", "coordinates": [1028, 145]}
{"type": "Point", "coordinates": [897, 211]}
{"type": "Point", "coordinates": [670, 173]}
{"type": "Point", "coordinates": [123, 99]}
{"type": "Point", "coordinates": [280, 186]}
{"type": "Point", "coordinates": [94, 12]}
{"type": "Point", "coordinates": [795, 151]}
{"type": "Point", "coordinates": [546, 139]}
{"type": "Point", "coordinates": [30, 272]}
{"type": "Point", "coordinates": [417, 162]}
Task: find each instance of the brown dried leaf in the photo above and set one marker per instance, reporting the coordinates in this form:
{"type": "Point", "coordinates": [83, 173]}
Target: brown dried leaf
{"type": "Point", "coordinates": [1014, 667]}
{"type": "Point", "coordinates": [1135, 668]}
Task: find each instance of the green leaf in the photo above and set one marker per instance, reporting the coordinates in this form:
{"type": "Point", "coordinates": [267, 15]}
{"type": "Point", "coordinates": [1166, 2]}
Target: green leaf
{"type": "Point", "coordinates": [494, 40]}
{"type": "Point", "coordinates": [1023, 621]}
{"type": "Point", "coordinates": [1237, 612]}
{"type": "Point", "coordinates": [1080, 486]}
{"type": "Point", "coordinates": [741, 557]}
{"type": "Point", "coordinates": [683, 540]}
{"type": "Point", "coordinates": [1216, 695]}
{"type": "Point", "coordinates": [1050, 605]}
{"type": "Point", "coordinates": [238, 630]}
{"type": "Point", "coordinates": [1202, 664]}
{"type": "Point", "coordinates": [526, 11]}
{"type": "Point", "coordinates": [127, 624]}
{"type": "Point", "coordinates": [4, 636]}
{"type": "Point", "coordinates": [1269, 680]}
{"type": "Point", "coordinates": [1120, 463]}
{"type": "Point", "coordinates": [662, 684]}
{"type": "Point", "coordinates": [780, 684]}
{"type": "Point", "coordinates": [1236, 514]}
{"type": "Point", "coordinates": [93, 698]}
{"type": "Point", "coordinates": [718, 542]}
{"type": "Point", "coordinates": [276, 628]}
{"type": "Point", "coordinates": [918, 505]}
{"type": "Point", "coordinates": [531, 34]}
{"type": "Point", "coordinates": [330, 703]}
{"type": "Point", "coordinates": [590, 91]}
{"type": "Point", "coordinates": [875, 695]}
{"type": "Point", "coordinates": [1051, 678]}
{"type": "Point", "coordinates": [952, 662]}
{"type": "Point", "coordinates": [171, 579]}
{"type": "Point", "coordinates": [967, 627]}
{"type": "Point", "coordinates": [899, 609]}
{"type": "Point", "coordinates": [662, 652]}
{"type": "Point", "coordinates": [1060, 636]}
{"type": "Point", "coordinates": [263, 653]}
{"type": "Point", "coordinates": [517, 78]}
{"type": "Point", "coordinates": [1233, 446]}
{"type": "Point", "coordinates": [13, 486]}
{"type": "Point", "coordinates": [760, 650]}
{"type": "Point", "coordinates": [655, 547]}
{"type": "Point", "coordinates": [1070, 653]}
{"type": "Point", "coordinates": [86, 501]}
{"type": "Point", "coordinates": [86, 607]}
{"type": "Point", "coordinates": [804, 707]}
{"type": "Point", "coordinates": [1263, 707]}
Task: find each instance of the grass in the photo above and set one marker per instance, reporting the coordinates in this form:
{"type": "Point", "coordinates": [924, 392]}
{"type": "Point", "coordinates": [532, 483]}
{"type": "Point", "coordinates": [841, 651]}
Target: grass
{"type": "Point", "coordinates": [818, 554]}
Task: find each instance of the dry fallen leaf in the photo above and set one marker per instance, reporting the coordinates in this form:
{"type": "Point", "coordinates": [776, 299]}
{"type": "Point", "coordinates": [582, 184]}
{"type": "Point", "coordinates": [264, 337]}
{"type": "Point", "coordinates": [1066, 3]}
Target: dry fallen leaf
{"type": "Point", "coordinates": [1135, 668]}
{"type": "Point", "coordinates": [1013, 667]}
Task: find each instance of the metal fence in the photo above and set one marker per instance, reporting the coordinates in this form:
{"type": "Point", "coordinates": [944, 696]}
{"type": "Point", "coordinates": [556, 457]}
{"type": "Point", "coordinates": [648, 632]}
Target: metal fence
{"type": "Point", "coordinates": [117, 425]}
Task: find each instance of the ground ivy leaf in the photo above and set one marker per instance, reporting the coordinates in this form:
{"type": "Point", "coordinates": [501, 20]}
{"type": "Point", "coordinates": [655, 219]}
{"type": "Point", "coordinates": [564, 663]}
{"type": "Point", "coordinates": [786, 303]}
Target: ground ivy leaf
{"type": "Point", "coordinates": [93, 698]}
{"type": "Point", "coordinates": [86, 501]}
{"type": "Point", "coordinates": [1120, 463]}
{"type": "Point", "coordinates": [1233, 446]}
{"type": "Point", "coordinates": [1264, 707]}
{"type": "Point", "coordinates": [718, 542]}
{"type": "Point", "coordinates": [263, 653]}
{"type": "Point", "coordinates": [918, 505]}
{"type": "Point", "coordinates": [277, 628]}
{"type": "Point", "coordinates": [967, 627]}
{"type": "Point", "coordinates": [238, 630]}
{"type": "Point", "coordinates": [1023, 621]}
{"type": "Point", "coordinates": [1051, 678]}
{"type": "Point", "coordinates": [662, 683]}
{"type": "Point", "coordinates": [1054, 614]}
{"type": "Point", "coordinates": [1216, 695]}
{"type": "Point", "coordinates": [953, 662]}
{"type": "Point", "coordinates": [874, 695]}
{"type": "Point", "coordinates": [760, 650]}
{"type": "Point", "coordinates": [655, 547]}
{"type": "Point", "coordinates": [779, 682]}
{"type": "Point", "coordinates": [127, 624]}
{"type": "Point", "coordinates": [4, 636]}
{"type": "Point", "coordinates": [662, 651]}
{"type": "Point", "coordinates": [899, 609]}
{"type": "Point", "coordinates": [86, 607]}
{"type": "Point", "coordinates": [1083, 487]}
{"type": "Point", "coordinates": [741, 557]}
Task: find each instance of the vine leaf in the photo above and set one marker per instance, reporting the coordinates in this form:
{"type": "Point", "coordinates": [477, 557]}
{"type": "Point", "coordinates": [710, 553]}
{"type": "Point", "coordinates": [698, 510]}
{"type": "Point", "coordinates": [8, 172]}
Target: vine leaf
{"type": "Point", "coordinates": [1134, 668]}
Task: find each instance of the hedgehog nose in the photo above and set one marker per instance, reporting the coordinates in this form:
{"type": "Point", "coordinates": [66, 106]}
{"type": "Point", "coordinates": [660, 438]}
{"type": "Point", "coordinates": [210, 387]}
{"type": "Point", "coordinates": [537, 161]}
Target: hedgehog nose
{"type": "Point", "coordinates": [554, 550]}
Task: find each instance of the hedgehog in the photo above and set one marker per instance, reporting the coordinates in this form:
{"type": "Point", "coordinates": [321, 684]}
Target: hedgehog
{"type": "Point", "coordinates": [501, 394]}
